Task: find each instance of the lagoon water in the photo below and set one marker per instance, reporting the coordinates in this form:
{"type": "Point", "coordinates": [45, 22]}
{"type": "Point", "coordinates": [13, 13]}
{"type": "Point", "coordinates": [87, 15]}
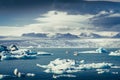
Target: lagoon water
{"type": "Point", "coordinates": [29, 66]}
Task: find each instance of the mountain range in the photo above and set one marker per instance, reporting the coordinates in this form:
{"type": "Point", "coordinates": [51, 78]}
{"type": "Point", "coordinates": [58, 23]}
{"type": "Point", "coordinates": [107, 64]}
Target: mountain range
{"type": "Point", "coordinates": [60, 36]}
{"type": "Point", "coordinates": [69, 35]}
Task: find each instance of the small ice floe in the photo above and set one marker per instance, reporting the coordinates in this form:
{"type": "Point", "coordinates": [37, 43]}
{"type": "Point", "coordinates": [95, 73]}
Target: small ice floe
{"type": "Point", "coordinates": [115, 73]}
{"type": "Point", "coordinates": [64, 75]}
{"type": "Point", "coordinates": [19, 74]}
{"type": "Point", "coordinates": [30, 74]}
{"type": "Point", "coordinates": [87, 52]}
{"type": "Point", "coordinates": [99, 50]}
{"type": "Point", "coordinates": [44, 53]}
{"type": "Point", "coordinates": [5, 77]}
{"type": "Point", "coordinates": [101, 71]}
{"type": "Point", "coordinates": [116, 53]}
{"type": "Point", "coordinates": [115, 67]}
{"type": "Point", "coordinates": [61, 66]}
{"type": "Point", "coordinates": [102, 50]}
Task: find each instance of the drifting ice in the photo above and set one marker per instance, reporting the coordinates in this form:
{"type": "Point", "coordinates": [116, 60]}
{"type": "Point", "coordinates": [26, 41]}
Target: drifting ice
{"type": "Point", "coordinates": [99, 50]}
{"type": "Point", "coordinates": [19, 74]}
{"type": "Point", "coordinates": [14, 53]}
{"type": "Point", "coordinates": [116, 53]}
{"type": "Point", "coordinates": [60, 66]}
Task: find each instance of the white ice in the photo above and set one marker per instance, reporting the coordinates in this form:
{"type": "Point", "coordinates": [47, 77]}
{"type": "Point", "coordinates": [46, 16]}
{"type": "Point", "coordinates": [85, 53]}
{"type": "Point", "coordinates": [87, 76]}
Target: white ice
{"type": "Point", "coordinates": [60, 66]}
{"type": "Point", "coordinates": [19, 74]}
{"type": "Point", "coordinates": [116, 53]}
{"type": "Point", "coordinates": [99, 50]}
{"type": "Point", "coordinates": [44, 53]}
{"type": "Point", "coordinates": [63, 75]}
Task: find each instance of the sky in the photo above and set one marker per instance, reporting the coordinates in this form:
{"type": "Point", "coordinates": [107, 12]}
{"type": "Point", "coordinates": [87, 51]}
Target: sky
{"type": "Point", "coordinates": [58, 16]}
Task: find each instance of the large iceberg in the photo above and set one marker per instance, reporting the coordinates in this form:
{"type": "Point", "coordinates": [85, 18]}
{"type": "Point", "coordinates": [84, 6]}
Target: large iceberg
{"type": "Point", "coordinates": [115, 53]}
{"type": "Point", "coordinates": [14, 53]}
{"type": "Point", "coordinates": [61, 66]}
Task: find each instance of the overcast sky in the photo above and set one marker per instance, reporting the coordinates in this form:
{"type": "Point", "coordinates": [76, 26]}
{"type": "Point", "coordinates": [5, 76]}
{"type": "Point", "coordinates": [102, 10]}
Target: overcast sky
{"type": "Point", "coordinates": [53, 16]}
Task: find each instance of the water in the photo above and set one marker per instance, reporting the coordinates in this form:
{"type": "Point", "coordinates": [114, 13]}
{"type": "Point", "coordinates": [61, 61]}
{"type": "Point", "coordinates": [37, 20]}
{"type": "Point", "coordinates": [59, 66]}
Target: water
{"type": "Point", "coordinates": [29, 66]}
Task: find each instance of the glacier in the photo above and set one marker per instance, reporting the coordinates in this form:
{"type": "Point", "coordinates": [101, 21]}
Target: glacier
{"type": "Point", "coordinates": [64, 43]}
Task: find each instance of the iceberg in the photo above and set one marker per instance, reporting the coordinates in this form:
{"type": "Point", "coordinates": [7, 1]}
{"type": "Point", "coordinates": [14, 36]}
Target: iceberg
{"type": "Point", "coordinates": [14, 53]}
{"type": "Point", "coordinates": [116, 53]}
{"type": "Point", "coordinates": [102, 50]}
{"type": "Point", "coordinates": [9, 56]}
{"type": "Point", "coordinates": [61, 66]}
{"type": "Point", "coordinates": [44, 53]}
{"type": "Point", "coordinates": [99, 50]}
{"type": "Point", "coordinates": [19, 74]}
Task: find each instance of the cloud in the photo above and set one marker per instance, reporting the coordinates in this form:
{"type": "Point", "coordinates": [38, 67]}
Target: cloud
{"type": "Point", "coordinates": [106, 21]}
{"type": "Point", "coordinates": [59, 21]}
{"type": "Point", "coordinates": [62, 22]}
{"type": "Point", "coordinates": [54, 22]}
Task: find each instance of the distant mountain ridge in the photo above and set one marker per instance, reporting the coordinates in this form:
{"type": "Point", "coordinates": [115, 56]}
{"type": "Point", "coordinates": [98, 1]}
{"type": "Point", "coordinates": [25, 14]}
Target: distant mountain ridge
{"type": "Point", "coordinates": [39, 35]}
{"type": "Point", "coordinates": [90, 35]}
{"type": "Point", "coordinates": [60, 36]}
{"type": "Point", "coordinates": [63, 35]}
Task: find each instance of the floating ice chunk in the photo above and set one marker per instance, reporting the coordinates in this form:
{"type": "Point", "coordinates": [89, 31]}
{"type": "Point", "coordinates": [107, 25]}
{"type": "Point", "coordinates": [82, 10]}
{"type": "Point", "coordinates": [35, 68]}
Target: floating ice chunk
{"type": "Point", "coordinates": [23, 51]}
{"type": "Point", "coordinates": [19, 74]}
{"type": "Point", "coordinates": [24, 56]}
{"type": "Point", "coordinates": [2, 76]}
{"type": "Point", "coordinates": [101, 50]}
{"type": "Point", "coordinates": [5, 77]}
{"type": "Point", "coordinates": [101, 71]}
{"type": "Point", "coordinates": [64, 75]}
{"type": "Point", "coordinates": [82, 61]}
{"type": "Point", "coordinates": [15, 72]}
{"type": "Point", "coordinates": [60, 66]}
{"type": "Point", "coordinates": [116, 53]}
{"type": "Point", "coordinates": [30, 74]}
{"type": "Point", "coordinates": [87, 52]}
{"type": "Point", "coordinates": [44, 53]}
{"type": "Point", "coordinates": [114, 72]}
